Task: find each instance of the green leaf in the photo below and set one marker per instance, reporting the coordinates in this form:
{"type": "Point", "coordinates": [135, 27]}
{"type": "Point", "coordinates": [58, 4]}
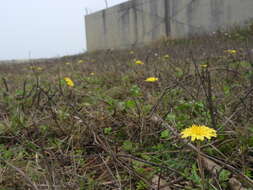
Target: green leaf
{"type": "Point", "coordinates": [245, 64]}
{"type": "Point", "coordinates": [128, 146]}
{"type": "Point", "coordinates": [107, 130]}
{"type": "Point", "coordinates": [226, 90]}
{"type": "Point", "coordinates": [130, 104]}
{"type": "Point", "coordinates": [179, 72]}
{"type": "Point", "coordinates": [135, 90]}
{"type": "Point", "coordinates": [224, 175]}
{"type": "Point", "coordinates": [165, 134]}
{"type": "Point", "coordinates": [249, 173]}
{"type": "Point", "coordinates": [195, 177]}
{"type": "Point", "coordinates": [44, 128]}
{"type": "Point", "coordinates": [141, 185]}
{"type": "Point", "coordinates": [170, 117]}
{"type": "Point", "coordinates": [19, 92]}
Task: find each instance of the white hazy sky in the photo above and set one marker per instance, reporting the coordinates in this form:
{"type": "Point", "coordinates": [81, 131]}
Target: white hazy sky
{"type": "Point", "coordinates": [45, 28]}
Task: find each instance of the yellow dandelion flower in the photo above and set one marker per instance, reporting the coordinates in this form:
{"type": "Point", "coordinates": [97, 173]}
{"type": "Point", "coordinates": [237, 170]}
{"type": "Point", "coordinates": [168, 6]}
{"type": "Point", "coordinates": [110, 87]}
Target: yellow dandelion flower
{"type": "Point", "coordinates": [139, 62]}
{"type": "Point", "coordinates": [69, 81]}
{"type": "Point", "coordinates": [203, 65]}
{"type": "Point", "coordinates": [199, 132]}
{"type": "Point", "coordinates": [36, 68]}
{"type": "Point", "coordinates": [231, 51]}
{"type": "Point", "coordinates": [151, 79]}
{"type": "Point", "coordinates": [166, 56]}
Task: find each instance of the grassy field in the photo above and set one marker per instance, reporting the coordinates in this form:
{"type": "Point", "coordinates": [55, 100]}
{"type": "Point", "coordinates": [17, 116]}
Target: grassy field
{"type": "Point", "coordinates": [106, 127]}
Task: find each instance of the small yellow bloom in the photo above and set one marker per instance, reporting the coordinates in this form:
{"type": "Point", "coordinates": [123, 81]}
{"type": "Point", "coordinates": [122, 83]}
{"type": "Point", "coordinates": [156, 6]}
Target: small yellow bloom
{"type": "Point", "coordinates": [69, 81]}
{"type": "Point", "coordinates": [203, 65]}
{"type": "Point", "coordinates": [166, 56]}
{"type": "Point", "coordinates": [131, 52]}
{"type": "Point", "coordinates": [139, 62]}
{"type": "Point", "coordinates": [151, 79]}
{"type": "Point", "coordinates": [231, 51]}
{"type": "Point", "coordinates": [80, 61]}
{"type": "Point", "coordinates": [35, 68]}
{"type": "Point", "coordinates": [67, 63]}
{"type": "Point", "coordinates": [92, 74]}
{"type": "Point", "coordinates": [199, 132]}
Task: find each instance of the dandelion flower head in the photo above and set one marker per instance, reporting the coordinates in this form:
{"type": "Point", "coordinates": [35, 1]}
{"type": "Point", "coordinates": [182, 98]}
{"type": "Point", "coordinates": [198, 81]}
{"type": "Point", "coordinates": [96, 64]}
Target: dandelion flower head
{"type": "Point", "coordinates": [203, 65]}
{"type": "Point", "coordinates": [69, 81]}
{"type": "Point", "coordinates": [151, 79]}
{"type": "Point", "coordinates": [199, 132]}
{"type": "Point", "coordinates": [139, 62]}
{"type": "Point", "coordinates": [36, 68]}
{"type": "Point", "coordinates": [231, 51]}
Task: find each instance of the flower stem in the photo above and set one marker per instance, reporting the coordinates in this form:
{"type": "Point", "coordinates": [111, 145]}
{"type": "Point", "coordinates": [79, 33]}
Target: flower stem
{"type": "Point", "coordinates": [200, 166]}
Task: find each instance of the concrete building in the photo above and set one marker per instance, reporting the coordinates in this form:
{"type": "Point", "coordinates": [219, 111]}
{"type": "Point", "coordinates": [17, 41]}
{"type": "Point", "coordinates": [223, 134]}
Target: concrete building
{"type": "Point", "coordinates": [138, 22]}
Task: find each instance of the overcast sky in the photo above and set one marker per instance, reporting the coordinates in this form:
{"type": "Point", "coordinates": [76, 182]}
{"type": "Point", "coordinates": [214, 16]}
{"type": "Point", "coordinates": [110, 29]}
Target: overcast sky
{"type": "Point", "coordinates": [45, 28]}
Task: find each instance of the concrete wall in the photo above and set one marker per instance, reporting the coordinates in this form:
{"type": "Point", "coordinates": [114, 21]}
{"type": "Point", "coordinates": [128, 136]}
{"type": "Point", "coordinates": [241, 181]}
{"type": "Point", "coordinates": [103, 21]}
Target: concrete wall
{"type": "Point", "coordinates": [204, 16]}
{"type": "Point", "coordinates": [138, 22]}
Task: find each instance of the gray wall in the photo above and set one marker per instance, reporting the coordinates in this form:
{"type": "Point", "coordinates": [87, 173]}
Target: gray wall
{"type": "Point", "coordinates": [138, 22]}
